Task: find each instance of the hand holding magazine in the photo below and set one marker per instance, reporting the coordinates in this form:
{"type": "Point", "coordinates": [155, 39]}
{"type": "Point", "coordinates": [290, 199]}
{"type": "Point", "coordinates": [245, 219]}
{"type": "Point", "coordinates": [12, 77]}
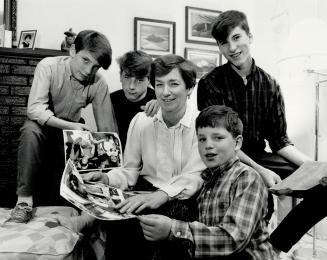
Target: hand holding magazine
{"type": "Point", "coordinates": [88, 152]}
{"type": "Point", "coordinates": [305, 177]}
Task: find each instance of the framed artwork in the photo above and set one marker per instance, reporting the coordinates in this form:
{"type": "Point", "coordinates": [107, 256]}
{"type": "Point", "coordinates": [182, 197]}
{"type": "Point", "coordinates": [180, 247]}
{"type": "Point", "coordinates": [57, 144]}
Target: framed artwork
{"type": "Point", "coordinates": [27, 39]}
{"type": "Point", "coordinates": [155, 37]}
{"type": "Point", "coordinates": [205, 60]}
{"type": "Point", "coordinates": [198, 23]}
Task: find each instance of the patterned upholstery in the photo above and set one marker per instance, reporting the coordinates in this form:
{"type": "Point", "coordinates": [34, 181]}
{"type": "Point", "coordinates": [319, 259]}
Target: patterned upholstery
{"type": "Point", "coordinates": [41, 238]}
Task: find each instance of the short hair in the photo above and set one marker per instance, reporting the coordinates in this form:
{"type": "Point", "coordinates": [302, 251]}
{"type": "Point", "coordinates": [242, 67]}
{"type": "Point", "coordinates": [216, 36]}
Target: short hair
{"type": "Point", "coordinates": [226, 22]}
{"type": "Point", "coordinates": [135, 63]}
{"type": "Point", "coordinates": [220, 116]}
{"type": "Point", "coordinates": [27, 36]}
{"type": "Point", "coordinates": [97, 44]}
{"type": "Point", "coordinates": [161, 66]}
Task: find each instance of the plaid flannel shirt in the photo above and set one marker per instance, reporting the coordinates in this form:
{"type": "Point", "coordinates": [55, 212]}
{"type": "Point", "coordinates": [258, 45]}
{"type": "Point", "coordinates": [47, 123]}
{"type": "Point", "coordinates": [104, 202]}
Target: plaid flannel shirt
{"type": "Point", "coordinates": [232, 204]}
{"type": "Point", "coordinates": [259, 103]}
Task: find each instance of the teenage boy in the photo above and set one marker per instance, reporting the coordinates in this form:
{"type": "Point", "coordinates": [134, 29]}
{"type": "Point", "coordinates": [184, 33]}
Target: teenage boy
{"type": "Point", "coordinates": [231, 204]}
{"type": "Point", "coordinates": [61, 87]}
{"type": "Point", "coordinates": [136, 94]}
{"type": "Point", "coordinates": [255, 95]}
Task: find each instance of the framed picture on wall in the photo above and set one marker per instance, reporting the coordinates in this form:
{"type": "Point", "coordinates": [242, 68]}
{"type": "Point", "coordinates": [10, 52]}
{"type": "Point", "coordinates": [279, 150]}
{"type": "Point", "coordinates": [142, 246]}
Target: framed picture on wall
{"type": "Point", "coordinates": [205, 60]}
{"type": "Point", "coordinates": [27, 39]}
{"type": "Point", "coordinates": [198, 24]}
{"type": "Point", "coordinates": [155, 37]}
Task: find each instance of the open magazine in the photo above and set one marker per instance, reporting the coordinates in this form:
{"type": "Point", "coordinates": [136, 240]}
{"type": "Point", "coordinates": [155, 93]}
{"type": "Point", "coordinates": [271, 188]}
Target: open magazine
{"type": "Point", "coordinates": [96, 199]}
{"type": "Point", "coordinates": [88, 152]}
{"type": "Point", "coordinates": [304, 178]}
{"type": "Point", "coordinates": [92, 150]}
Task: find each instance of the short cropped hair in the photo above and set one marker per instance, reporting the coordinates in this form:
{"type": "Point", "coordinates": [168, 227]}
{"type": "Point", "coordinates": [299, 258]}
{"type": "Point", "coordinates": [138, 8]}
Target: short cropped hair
{"type": "Point", "coordinates": [135, 63]}
{"type": "Point", "coordinates": [220, 116]}
{"type": "Point", "coordinates": [97, 44]}
{"type": "Point", "coordinates": [27, 36]}
{"type": "Point", "coordinates": [163, 65]}
{"type": "Point", "coordinates": [226, 22]}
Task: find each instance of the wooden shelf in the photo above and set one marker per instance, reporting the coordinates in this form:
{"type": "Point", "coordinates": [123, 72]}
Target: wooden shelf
{"type": "Point", "coordinates": [36, 53]}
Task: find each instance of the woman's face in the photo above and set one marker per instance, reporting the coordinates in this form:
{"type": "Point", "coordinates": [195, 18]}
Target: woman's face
{"type": "Point", "coordinates": [171, 93]}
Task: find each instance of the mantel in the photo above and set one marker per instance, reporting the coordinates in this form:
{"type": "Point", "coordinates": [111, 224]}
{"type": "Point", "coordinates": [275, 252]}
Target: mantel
{"type": "Point", "coordinates": [36, 53]}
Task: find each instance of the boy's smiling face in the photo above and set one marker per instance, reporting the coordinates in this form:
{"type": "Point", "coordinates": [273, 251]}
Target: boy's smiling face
{"type": "Point", "coordinates": [216, 145]}
{"type": "Point", "coordinates": [236, 48]}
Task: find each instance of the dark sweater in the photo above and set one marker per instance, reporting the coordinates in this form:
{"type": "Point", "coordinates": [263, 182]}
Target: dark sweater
{"type": "Point", "coordinates": [125, 110]}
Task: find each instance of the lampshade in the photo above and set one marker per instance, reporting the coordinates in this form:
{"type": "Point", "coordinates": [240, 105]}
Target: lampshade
{"type": "Point", "coordinates": [307, 38]}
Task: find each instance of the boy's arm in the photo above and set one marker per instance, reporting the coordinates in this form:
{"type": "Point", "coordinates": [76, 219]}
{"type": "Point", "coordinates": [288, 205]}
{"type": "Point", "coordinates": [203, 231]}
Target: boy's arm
{"type": "Point", "coordinates": [269, 177]}
{"type": "Point", "coordinates": [38, 101]}
{"type": "Point", "coordinates": [102, 109]}
{"type": "Point", "coordinates": [237, 226]}
{"type": "Point", "coordinates": [292, 154]}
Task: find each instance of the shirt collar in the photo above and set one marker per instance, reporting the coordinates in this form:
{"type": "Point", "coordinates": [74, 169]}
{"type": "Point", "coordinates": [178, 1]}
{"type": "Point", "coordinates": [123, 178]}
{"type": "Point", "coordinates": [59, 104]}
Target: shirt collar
{"type": "Point", "coordinates": [186, 120]}
{"type": "Point", "coordinates": [220, 170]}
{"type": "Point", "coordinates": [253, 69]}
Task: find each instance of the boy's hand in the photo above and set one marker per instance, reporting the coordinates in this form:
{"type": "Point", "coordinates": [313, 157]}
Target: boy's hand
{"type": "Point", "coordinates": [96, 176]}
{"type": "Point", "coordinates": [155, 227]}
{"type": "Point", "coordinates": [323, 181]}
{"type": "Point", "coordinates": [151, 108]}
{"type": "Point", "coordinates": [140, 202]}
{"type": "Point", "coordinates": [269, 177]}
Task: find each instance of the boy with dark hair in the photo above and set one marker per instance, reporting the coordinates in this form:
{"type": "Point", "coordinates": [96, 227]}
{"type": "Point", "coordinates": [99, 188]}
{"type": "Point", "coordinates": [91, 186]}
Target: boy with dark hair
{"type": "Point", "coordinates": [136, 94]}
{"type": "Point", "coordinates": [61, 87]}
{"type": "Point", "coordinates": [255, 95]}
{"type": "Point", "coordinates": [231, 204]}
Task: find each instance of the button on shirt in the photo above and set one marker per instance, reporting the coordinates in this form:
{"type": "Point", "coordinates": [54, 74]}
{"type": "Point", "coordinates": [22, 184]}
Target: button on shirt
{"type": "Point", "coordinates": [166, 157]}
{"type": "Point", "coordinates": [232, 204]}
{"type": "Point", "coordinates": [55, 92]}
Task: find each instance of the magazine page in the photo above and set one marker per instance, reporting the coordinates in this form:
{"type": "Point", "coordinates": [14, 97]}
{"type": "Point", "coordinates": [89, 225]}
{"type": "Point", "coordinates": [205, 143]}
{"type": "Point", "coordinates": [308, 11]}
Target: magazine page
{"type": "Point", "coordinates": [92, 150]}
{"type": "Point", "coordinates": [304, 178]}
{"type": "Point", "coordinates": [96, 199]}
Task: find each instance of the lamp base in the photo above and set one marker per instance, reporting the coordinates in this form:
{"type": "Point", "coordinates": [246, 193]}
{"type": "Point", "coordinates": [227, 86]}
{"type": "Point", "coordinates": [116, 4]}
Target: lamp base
{"type": "Point", "coordinates": [307, 254]}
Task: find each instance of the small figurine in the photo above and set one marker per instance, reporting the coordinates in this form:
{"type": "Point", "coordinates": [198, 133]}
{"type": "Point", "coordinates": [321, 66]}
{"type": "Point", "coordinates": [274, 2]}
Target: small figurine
{"type": "Point", "coordinates": [69, 40]}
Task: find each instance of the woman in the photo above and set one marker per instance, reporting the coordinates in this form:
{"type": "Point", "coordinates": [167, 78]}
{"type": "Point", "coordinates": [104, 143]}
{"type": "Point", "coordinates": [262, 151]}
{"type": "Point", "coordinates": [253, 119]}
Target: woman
{"type": "Point", "coordinates": [161, 151]}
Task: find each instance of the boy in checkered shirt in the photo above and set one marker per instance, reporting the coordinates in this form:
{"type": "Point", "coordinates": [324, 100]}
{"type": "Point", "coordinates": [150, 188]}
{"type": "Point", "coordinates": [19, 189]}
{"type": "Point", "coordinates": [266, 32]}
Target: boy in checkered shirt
{"type": "Point", "coordinates": [232, 202]}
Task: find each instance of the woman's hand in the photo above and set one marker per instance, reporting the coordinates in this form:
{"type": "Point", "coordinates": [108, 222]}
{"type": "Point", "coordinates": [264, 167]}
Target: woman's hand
{"type": "Point", "coordinates": [96, 176]}
{"type": "Point", "coordinates": [140, 202]}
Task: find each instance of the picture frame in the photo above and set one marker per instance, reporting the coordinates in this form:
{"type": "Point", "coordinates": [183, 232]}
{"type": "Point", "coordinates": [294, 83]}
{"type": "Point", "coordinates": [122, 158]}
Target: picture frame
{"type": "Point", "coordinates": [205, 60]}
{"type": "Point", "coordinates": [27, 39]}
{"type": "Point", "coordinates": [155, 37]}
{"type": "Point", "coordinates": [198, 23]}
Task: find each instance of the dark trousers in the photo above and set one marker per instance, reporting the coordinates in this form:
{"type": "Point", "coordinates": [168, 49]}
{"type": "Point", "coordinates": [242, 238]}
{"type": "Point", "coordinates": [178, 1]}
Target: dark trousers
{"type": "Point", "coordinates": [40, 163]}
{"type": "Point", "coordinates": [125, 239]}
{"type": "Point", "coordinates": [301, 218]}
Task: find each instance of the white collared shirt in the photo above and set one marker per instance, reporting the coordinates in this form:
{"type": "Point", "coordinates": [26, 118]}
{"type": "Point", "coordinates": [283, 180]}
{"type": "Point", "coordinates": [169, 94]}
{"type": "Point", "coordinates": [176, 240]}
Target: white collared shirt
{"type": "Point", "coordinates": [166, 157]}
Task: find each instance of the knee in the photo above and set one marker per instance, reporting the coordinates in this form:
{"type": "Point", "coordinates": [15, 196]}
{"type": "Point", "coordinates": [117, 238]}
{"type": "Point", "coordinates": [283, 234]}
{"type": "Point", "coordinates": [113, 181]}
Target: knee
{"type": "Point", "coordinates": [30, 129]}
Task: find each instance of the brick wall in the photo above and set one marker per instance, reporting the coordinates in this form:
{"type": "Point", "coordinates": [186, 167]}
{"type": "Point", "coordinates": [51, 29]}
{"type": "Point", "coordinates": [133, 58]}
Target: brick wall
{"type": "Point", "coordinates": [16, 75]}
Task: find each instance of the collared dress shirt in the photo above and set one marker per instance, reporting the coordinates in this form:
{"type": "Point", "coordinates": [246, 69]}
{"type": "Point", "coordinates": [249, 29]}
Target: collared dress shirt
{"type": "Point", "coordinates": [55, 92]}
{"type": "Point", "coordinates": [259, 103]}
{"type": "Point", "coordinates": [232, 204]}
{"type": "Point", "coordinates": [167, 157]}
